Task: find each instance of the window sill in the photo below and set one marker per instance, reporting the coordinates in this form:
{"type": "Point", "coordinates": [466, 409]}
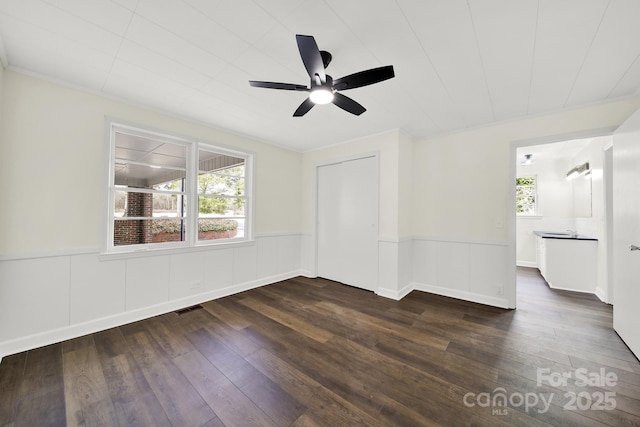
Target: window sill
{"type": "Point", "coordinates": [148, 252]}
{"type": "Point", "coordinates": [529, 216]}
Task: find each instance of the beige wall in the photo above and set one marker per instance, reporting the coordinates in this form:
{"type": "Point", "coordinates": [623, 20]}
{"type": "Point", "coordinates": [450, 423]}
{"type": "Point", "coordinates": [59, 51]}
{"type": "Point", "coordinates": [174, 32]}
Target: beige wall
{"type": "Point", "coordinates": [461, 181]}
{"type": "Point", "coordinates": [53, 157]}
{"type": "Point", "coordinates": [453, 187]}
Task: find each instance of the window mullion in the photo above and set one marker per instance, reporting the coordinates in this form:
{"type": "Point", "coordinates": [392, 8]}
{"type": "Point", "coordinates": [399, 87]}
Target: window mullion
{"type": "Point", "coordinates": [192, 191]}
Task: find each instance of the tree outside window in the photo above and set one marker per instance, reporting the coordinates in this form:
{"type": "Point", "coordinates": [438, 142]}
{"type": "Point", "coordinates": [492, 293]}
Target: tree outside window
{"type": "Point", "coordinates": [526, 196]}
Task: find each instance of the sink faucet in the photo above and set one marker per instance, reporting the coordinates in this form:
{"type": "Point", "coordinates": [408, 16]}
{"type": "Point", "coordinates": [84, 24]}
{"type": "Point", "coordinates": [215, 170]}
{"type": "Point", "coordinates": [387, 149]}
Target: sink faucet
{"type": "Point", "coordinates": [574, 233]}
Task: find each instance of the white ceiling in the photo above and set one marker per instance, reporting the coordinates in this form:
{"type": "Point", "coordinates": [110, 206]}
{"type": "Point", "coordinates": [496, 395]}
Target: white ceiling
{"type": "Point", "coordinates": [458, 63]}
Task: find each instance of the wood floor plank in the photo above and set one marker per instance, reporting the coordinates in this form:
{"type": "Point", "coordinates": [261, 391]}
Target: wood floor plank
{"type": "Point", "coordinates": [325, 404]}
{"type": "Point", "coordinates": [288, 320]}
{"type": "Point", "coordinates": [180, 401]}
{"type": "Point", "coordinates": [268, 396]}
{"type": "Point", "coordinates": [382, 326]}
{"type": "Point", "coordinates": [11, 372]}
{"type": "Point", "coordinates": [86, 392]}
{"type": "Point", "coordinates": [219, 310]}
{"type": "Point", "coordinates": [309, 420]}
{"type": "Point", "coordinates": [227, 400]}
{"type": "Point", "coordinates": [110, 343]}
{"type": "Point", "coordinates": [168, 336]}
{"type": "Point", "coordinates": [41, 396]}
{"type": "Point", "coordinates": [133, 399]}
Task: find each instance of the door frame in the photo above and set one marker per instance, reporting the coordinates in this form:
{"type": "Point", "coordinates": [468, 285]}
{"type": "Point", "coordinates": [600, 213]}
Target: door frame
{"type": "Point", "coordinates": [510, 289]}
{"type": "Point", "coordinates": [314, 208]}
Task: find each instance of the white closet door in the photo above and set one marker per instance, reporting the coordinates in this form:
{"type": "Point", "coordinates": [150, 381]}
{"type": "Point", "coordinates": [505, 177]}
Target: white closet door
{"type": "Point", "coordinates": [348, 222]}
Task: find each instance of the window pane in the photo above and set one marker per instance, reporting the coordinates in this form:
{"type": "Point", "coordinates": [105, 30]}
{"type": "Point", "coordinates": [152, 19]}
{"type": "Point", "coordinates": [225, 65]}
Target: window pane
{"type": "Point", "coordinates": [168, 230]}
{"type": "Point", "coordinates": [131, 232]}
{"type": "Point", "coordinates": [176, 185]}
{"type": "Point", "coordinates": [144, 161]}
{"type": "Point", "coordinates": [133, 204]}
{"type": "Point", "coordinates": [526, 196]}
{"type": "Point", "coordinates": [220, 228]}
{"type": "Point", "coordinates": [220, 174]}
{"type": "Point", "coordinates": [220, 185]}
{"type": "Point", "coordinates": [215, 207]}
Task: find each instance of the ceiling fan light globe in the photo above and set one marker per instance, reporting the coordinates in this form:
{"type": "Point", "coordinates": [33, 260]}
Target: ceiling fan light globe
{"type": "Point", "coordinates": [321, 96]}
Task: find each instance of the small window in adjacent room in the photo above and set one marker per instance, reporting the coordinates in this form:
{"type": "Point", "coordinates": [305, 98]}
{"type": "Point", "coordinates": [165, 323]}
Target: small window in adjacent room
{"type": "Point", "coordinates": [526, 196]}
{"type": "Point", "coordinates": [172, 192]}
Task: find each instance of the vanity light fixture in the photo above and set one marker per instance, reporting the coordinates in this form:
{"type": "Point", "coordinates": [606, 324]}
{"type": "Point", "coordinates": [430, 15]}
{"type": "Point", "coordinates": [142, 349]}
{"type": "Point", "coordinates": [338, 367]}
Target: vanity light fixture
{"type": "Point", "coordinates": [527, 160]}
{"type": "Point", "coordinates": [580, 170]}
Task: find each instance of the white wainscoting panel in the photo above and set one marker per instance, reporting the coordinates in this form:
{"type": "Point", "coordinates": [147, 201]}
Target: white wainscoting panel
{"type": "Point", "coordinates": [97, 288]}
{"type": "Point", "coordinates": [486, 268]}
{"type": "Point", "coordinates": [267, 256]}
{"type": "Point", "coordinates": [387, 269]}
{"type": "Point", "coordinates": [147, 281]}
{"type": "Point", "coordinates": [452, 259]}
{"type": "Point", "coordinates": [288, 253]}
{"type": "Point", "coordinates": [424, 261]}
{"type": "Point", "coordinates": [469, 271]}
{"type": "Point", "coordinates": [394, 264]}
{"type": "Point", "coordinates": [218, 269]}
{"type": "Point", "coordinates": [308, 255]}
{"type": "Point", "coordinates": [186, 274]}
{"type": "Point", "coordinates": [405, 264]}
{"type": "Point", "coordinates": [245, 264]}
{"type": "Point", "coordinates": [34, 296]}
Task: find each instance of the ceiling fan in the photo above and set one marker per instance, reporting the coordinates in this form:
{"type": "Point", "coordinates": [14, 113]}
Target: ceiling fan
{"type": "Point", "coordinates": [323, 89]}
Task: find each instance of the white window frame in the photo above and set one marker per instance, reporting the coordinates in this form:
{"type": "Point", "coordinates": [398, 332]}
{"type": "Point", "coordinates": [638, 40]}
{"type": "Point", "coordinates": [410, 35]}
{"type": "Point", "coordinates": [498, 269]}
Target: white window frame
{"type": "Point", "coordinates": [536, 200]}
{"type": "Point", "coordinates": [193, 145]}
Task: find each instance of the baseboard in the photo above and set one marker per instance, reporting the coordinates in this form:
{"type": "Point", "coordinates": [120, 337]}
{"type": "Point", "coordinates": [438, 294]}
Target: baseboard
{"type": "Point", "coordinates": [73, 331]}
{"type": "Point", "coordinates": [528, 264]}
{"type": "Point", "coordinates": [601, 294]}
{"type": "Point", "coordinates": [559, 288]}
{"type": "Point", "coordinates": [308, 274]}
{"type": "Point", "coordinates": [462, 295]}
{"type": "Point", "coordinates": [395, 294]}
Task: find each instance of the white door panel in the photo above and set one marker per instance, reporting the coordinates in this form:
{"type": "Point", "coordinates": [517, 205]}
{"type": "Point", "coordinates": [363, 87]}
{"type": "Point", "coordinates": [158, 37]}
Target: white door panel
{"type": "Point", "coordinates": [626, 230]}
{"type": "Point", "coordinates": [348, 222]}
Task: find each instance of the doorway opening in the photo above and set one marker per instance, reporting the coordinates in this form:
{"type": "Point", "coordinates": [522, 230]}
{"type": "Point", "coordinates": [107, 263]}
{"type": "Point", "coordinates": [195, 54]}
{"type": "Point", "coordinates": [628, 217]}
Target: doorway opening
{"type": "Point", "coordinates": [569, 208]}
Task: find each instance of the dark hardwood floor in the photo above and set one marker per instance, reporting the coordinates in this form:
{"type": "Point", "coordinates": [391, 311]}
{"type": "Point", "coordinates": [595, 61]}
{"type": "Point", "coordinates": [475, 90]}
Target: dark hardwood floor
{"type": "Point", "coordinates": [309, 352]}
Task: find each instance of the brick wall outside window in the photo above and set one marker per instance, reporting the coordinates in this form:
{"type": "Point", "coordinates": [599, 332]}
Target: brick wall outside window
{"type": "Point", "coordinates": [131, 232]}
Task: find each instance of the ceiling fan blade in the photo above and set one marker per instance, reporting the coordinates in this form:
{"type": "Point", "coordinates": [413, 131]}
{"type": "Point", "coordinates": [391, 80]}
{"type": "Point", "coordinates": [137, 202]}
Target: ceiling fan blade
{"type": "Point", "coordinates": [348, 104]}
{"type": "Point", "coordinates": [304, 108]}
{"type": "Point", "coordinates": [364, 78]}
{"type": "Point", "coordinates": [275, 85]}
{"type": "Point", "coordinates": [311, 57]}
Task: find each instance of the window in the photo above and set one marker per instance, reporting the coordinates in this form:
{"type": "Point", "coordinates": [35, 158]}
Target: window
{"type": "Point", "coordinates": [526, 196]}
{"type": "Point", "coordinates": [166, 191]}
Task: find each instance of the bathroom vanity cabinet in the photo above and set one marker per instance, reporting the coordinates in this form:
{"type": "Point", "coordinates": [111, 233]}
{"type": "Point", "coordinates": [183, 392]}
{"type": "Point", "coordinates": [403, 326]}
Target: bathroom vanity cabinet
{"type": "Point", "coordinates": [568, 261]}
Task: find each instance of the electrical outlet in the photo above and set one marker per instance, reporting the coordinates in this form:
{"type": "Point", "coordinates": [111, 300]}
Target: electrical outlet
{"type": "Point", "coordinates": [499, 223]}
{"type": "Point", "coordinates": [195, 285]}
{"type": "Point", "coordinates": [500, 289]}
